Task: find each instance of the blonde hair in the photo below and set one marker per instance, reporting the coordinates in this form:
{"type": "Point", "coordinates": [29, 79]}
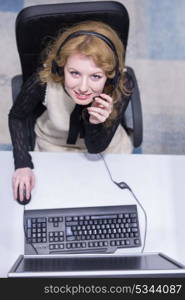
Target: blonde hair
{"type": "Point", "coordinates": [91, 46]}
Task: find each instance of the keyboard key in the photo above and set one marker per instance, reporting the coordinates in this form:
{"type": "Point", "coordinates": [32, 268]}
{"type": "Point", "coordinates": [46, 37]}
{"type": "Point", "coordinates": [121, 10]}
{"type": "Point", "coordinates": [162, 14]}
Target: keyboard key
{"type": "Point", "coordinates": [70, 238]}
{"type": "Point", "coordinates": [71, 223]}
{"type": "Point", "coordinates": [28, 223]}
{"type": "Point", "coordinates": [103, 217]}
{"type": "Point", "coordinates": [40, 220]}
{"type": "Point", "coordinates": [68, 231]}
{"type": "Point", "coordinates": [29, 233]}
{"type": "Point", "coordinates": [137, 242]}
{"type": "Point", "coordinates": [134, 229]}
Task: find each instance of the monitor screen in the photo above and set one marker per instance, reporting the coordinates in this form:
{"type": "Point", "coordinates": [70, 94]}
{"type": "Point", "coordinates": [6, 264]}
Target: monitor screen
{"type": "Point", "coordinates": [97, 264]}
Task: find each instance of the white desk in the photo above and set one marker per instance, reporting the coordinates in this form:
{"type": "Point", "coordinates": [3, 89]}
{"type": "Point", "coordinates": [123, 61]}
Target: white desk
{"type": "Point", "coordinates": [67, 180]}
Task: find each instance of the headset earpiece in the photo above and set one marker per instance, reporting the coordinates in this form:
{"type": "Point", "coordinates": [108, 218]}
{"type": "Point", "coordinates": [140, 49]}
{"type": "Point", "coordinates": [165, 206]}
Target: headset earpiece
{"type": "Point", "coordinates": [55, 69]}
{"type": "Point", "coordinates": [115, 80]}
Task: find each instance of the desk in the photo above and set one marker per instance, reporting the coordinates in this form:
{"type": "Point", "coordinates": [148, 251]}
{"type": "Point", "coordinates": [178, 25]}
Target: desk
{"type": "Point", "coordinates": [67, 180]}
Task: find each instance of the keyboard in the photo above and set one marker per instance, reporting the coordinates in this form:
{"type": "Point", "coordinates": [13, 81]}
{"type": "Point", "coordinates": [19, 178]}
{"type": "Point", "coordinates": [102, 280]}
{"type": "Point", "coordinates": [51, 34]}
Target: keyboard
{"type": "Point", "coordinates": [81, 230]}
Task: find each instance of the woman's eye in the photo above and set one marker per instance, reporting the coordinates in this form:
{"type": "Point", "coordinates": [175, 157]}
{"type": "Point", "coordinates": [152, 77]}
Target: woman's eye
{"type": "Point", "coordinates": [96, 77]}
{"type": "Point", "coordinates": [74, 73]}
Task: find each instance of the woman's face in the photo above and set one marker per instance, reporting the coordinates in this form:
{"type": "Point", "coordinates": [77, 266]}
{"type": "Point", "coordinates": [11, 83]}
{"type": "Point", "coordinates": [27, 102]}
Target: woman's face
{"type": "Point", "coordinates": [83, 79]}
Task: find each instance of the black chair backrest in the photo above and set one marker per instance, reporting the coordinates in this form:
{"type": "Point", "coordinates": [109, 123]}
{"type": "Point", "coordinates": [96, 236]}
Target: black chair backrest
{"type": "Point", "coordinates": [37, 25]}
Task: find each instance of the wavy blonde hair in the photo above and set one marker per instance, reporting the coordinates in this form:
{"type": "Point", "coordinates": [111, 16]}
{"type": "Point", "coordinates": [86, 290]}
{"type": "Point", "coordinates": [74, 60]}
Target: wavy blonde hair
{"type": "Point", "coordinates": [93, 47]}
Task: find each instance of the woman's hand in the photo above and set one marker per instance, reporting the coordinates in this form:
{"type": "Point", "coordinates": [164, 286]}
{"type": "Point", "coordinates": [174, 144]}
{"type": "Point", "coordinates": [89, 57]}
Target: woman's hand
{"type": "Point", "coordinates": [23, 178]}
{"type": "Point", "coordinates": [100, 109]}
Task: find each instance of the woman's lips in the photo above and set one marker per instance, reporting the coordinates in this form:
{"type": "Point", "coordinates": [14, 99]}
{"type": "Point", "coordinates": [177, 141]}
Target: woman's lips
{"type": "Point", "coordinates": [81, 96]}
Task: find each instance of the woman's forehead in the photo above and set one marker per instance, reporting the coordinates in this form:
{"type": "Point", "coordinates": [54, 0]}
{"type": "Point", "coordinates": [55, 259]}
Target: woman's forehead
{"type": "Point", "coordinates": [81, 61]}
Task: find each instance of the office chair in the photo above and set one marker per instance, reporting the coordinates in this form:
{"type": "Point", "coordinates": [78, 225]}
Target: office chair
{"type": "Point", "coordinates": [39, 24]}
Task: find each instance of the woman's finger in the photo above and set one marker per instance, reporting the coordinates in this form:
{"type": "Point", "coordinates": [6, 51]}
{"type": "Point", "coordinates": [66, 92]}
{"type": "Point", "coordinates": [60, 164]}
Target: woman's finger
{"type": "Point", "coordinates": [102, 103]}
{"type": "Point", "coordinates": [98, 110]}
{"type": "Point", "coordinates": [27, 186]}
{"type": "Point", "coordinates": [107, 98]}
{"type": "Point", "coordinates": [15, 184]}
{"type": "Point", "coordinates": [21, 189]}
{"type": "Point", "coordinates": [99, 117]}
{"type": "Point", "coordinates": [32, 181]}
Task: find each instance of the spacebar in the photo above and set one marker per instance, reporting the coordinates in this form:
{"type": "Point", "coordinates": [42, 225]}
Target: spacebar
{"type": "Point", "coordinates": [80, 251]}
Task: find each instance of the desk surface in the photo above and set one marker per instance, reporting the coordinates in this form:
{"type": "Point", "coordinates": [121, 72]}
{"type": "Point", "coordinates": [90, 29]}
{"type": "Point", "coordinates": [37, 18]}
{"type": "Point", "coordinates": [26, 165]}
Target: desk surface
{"type": "Point", "coordinates": [73, 180]}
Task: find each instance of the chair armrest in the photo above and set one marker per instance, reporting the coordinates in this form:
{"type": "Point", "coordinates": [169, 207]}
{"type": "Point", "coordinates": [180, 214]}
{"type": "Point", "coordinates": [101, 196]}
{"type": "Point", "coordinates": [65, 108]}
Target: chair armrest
{"type": "Point", "coordinates": [136, 109]}
{"type": "Point", "coordinates": [16, 84]}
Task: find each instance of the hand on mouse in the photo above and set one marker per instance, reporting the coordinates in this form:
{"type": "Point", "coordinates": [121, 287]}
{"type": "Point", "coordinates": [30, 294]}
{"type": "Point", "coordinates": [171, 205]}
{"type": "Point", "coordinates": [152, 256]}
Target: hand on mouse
{"type": "Point", "coordinates": [23, 178]}
{"type": "Point", "coordinates": [100, 109]}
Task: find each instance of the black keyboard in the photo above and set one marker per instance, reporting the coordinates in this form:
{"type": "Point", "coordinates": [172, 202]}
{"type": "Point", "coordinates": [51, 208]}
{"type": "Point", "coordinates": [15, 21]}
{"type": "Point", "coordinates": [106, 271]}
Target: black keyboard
{"type": "Point", "coordinates": [81, 230]}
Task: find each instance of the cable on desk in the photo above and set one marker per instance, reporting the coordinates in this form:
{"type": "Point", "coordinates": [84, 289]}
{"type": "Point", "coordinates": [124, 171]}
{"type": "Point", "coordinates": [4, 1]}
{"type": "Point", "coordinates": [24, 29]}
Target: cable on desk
{"type": "Point", "coordinates": [123, 185]}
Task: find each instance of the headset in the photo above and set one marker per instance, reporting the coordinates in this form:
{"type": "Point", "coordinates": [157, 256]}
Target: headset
{"type": "Point", "coordinates": [56, 69]}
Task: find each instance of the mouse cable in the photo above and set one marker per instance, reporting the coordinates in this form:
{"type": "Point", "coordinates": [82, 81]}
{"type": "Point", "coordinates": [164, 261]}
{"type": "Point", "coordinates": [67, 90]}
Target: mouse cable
{"type": "Point", "coordinates": [26, 236]}
{"type": "Point", "coordinates": [122, 185]}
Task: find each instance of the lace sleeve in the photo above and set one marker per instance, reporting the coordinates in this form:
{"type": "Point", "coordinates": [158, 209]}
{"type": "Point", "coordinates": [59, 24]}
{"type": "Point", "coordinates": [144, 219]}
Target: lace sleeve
{"type": "Point", "coordinates": [98, 136]}
{"type": "Point", "coordinates": [28, 101]}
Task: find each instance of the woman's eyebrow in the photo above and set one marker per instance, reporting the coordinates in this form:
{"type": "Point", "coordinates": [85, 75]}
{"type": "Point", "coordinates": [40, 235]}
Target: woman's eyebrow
{"type": "Point", "coordinates": [71, 68]}
{"type": "Point", "coordinates": [91, 73]}
{"type": "Point", "coordinates": [97, 73]}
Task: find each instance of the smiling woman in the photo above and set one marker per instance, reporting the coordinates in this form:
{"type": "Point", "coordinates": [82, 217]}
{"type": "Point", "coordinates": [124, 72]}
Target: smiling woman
{"type": "Point", "coordinates": [75, 101]}
{"type": "Point", "coordinates": [83, 80]}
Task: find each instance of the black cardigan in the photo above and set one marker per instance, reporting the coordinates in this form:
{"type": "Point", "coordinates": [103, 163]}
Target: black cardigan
{"type": "Point", "coordinates": [28, 107]}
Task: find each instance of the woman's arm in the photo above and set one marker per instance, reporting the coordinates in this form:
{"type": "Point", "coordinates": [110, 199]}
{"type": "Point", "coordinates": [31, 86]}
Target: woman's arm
{"type": "Point", "coordinates": [98, 136]}
{"type": "Point", "coordinates": [28, 101]}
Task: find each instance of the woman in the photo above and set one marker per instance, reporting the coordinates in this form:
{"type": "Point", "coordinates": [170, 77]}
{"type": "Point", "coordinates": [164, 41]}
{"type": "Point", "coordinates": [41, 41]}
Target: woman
{"type": "Point", "coordinates": [75, 102]}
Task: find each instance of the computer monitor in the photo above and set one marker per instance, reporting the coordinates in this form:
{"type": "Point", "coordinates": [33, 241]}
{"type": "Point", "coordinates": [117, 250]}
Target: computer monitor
{"type": "Point", "coordinates": [97, 265]}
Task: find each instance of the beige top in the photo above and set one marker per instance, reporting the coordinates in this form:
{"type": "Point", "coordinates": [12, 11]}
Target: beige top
{"type": "Point", "coordinates": [52, 126]}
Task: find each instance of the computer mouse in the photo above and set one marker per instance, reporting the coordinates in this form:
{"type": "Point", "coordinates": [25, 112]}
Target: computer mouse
{"type": "Point", "coordinates": [25, 200]}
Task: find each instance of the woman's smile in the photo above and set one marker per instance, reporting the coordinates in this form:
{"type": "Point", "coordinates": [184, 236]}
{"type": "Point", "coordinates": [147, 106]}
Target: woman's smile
{"type": "Point", "coordinates": [82, 96]}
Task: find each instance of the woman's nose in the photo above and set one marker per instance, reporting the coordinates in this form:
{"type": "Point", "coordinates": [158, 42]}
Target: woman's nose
{"type": "Point", "coordinates": [83, 87]}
